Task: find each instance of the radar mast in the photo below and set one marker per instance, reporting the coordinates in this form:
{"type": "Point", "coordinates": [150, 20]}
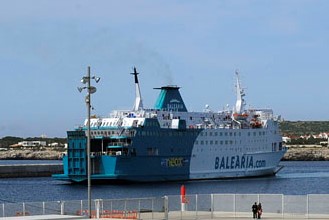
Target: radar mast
{"type": "Point", "coordinates": [240, 102]}
{"type": "Point", "coordinates": [138, 100]}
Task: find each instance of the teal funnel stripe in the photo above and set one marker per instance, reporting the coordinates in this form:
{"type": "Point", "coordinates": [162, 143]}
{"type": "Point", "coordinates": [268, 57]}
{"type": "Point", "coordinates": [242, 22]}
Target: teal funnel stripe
{"type": "Point", "coordinates": [159, 102]}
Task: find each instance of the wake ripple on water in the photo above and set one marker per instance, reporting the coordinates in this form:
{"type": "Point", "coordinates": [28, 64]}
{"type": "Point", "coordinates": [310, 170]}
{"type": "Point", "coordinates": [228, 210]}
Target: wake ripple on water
{"type": "Point", "coordinates": [304, 175]}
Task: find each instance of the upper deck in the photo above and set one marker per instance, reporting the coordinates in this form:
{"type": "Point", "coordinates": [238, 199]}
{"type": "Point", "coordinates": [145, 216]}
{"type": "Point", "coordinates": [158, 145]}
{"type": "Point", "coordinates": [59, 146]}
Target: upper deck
{"type": "Point", "coordinates": [171, 113]}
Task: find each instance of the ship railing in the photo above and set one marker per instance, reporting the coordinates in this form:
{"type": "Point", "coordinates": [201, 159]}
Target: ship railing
{"type": "Point", "coordinates": [119, 144]}
{"type": "Point", "coordinates": [218, 126]}
{"type": "Point", "coordinates": [199, 206]}
{"type": "Point", "coordinates": [144, 113]}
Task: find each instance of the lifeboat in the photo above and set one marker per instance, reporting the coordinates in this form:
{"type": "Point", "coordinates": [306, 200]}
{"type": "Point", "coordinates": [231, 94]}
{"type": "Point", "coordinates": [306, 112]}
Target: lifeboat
{"type": "Point", "coordinates": [242, 116]}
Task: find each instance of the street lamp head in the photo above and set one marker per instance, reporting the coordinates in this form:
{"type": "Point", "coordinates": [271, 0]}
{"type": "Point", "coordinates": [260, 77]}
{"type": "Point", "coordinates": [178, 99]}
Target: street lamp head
{"type": "Point", "coordinates": [84, 80]}
{"type": "Point", "coordinates": [97, 79]}
{"type": "Point", "coordinates": [80, 89]}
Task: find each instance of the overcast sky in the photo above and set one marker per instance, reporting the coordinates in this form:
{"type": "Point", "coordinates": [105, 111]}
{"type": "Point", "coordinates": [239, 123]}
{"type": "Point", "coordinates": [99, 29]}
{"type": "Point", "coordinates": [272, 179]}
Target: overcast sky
{"type": "Point", "coordinates": [279, 47]}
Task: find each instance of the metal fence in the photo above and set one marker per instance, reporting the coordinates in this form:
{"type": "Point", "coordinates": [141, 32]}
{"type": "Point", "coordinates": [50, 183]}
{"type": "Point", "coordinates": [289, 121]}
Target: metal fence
{"type": "Point", "coordinates": [204, 206]}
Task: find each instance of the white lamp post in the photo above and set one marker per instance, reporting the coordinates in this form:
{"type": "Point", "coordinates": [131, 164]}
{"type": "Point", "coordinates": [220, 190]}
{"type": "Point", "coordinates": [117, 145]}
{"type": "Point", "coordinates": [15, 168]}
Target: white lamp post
{"type": "Point", "coordinates": [91, 90]}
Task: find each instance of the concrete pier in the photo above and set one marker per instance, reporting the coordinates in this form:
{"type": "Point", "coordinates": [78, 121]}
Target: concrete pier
{"type": "Point", "coordinates": [30, 170]}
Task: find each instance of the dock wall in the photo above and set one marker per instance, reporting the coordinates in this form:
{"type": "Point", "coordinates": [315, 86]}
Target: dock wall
{"type": "Point", "coordinates": [30, 170]}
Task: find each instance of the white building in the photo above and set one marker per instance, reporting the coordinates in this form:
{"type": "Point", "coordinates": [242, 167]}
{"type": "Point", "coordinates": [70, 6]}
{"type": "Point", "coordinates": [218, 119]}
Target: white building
{"type": "Point", "coordinates": [32, 143]}
{"type": "Point", "coordinates": [286, 139]}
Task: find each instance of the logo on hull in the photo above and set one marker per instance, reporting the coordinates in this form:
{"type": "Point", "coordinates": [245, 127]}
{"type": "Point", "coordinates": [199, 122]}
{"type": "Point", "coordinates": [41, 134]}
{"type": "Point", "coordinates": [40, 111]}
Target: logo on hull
{"type": "Point", "coordinates": [237, 162]}
{"type": "Point", "coordinates": [173, 162]}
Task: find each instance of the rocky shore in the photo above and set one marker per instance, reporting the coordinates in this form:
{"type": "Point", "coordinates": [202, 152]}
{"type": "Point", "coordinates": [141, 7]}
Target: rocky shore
{"type": "Point", "coordinates": [294, 153]}
{"type": "Point", "coordinates": [30, 155]}
{"type": "Point", "coordinates": [307, 153]}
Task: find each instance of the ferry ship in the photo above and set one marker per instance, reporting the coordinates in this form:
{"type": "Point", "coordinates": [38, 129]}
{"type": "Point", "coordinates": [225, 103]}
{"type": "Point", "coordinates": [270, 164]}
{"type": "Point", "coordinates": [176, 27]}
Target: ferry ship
{"type": "Point", "coordinates": [168, 143]}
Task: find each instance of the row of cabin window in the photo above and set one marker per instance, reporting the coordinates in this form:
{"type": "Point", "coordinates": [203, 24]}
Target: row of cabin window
{"type": "Point", "coordinates": [96, 124]}
{"type": "Point", "coordinates": [103, 132]}
{"type": "Point", "coordinates": [116, 123]}
{"type": "Point", "coordinates": [156, 133]}
{"type": "Point", "coordinates": [214, 142]}
{"type": "Point", "coordinates": [226, 142]}
{"type": "Point", "coordinates": [145, 133]}
{"type": "Point", "coordinates": [239, 149]}
{"type": "Point", "coordinates": [260, 133]}
{"type": "Point", "coordinates": [107, 124]}
{"type": "Point", "coordinates": [131, 133]}
{"type": "Point", "coordinates": [166, 117]}
{"type": "Point", "coordinates": [170, 133]}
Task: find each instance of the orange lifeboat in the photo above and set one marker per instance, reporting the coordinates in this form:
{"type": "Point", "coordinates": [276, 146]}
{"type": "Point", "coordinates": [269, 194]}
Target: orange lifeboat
{"type": "Point", "coordinates": [242, 116]}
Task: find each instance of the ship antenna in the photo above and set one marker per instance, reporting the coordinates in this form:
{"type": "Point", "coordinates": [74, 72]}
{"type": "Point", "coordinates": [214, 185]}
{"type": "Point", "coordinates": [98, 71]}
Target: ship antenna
{"type": "Point", "coordinates": [138, 100]}
{"type": "Point", "coordinates": [240, 102]}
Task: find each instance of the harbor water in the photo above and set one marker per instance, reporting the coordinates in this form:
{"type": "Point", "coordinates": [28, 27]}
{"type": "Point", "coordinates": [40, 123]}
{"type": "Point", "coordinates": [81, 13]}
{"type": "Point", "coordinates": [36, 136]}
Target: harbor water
{"type": "Point", "coordinates": [297, 178]}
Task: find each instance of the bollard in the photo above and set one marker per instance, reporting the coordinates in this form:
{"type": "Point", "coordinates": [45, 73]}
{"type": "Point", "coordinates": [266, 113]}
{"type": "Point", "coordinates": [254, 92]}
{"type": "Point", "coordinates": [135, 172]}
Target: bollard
{"type": "Point", "coordinates": [62, 207]}
{"type": "Point", "coordinates": [166, 207]}
{"type": "Point", "coordinates": [97, 208]}
{"type": "Point", "coordinates": [23, 209]}
{"type": "Point", "coordinates": [183, 198]}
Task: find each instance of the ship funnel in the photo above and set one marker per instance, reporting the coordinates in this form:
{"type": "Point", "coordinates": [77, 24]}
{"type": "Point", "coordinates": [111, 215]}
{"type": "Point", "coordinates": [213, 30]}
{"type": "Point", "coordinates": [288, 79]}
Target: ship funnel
{"type": "Point", "coordinates": [240, 102]}
{"type": "Point", "coordinates": [138, 100]}
{"type": "Point", "coordinates": [170, 99]}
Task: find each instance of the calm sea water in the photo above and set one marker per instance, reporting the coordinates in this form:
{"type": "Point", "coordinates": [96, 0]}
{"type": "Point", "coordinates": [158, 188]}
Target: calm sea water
{"type": "Point", "coordinates": [297, 178]}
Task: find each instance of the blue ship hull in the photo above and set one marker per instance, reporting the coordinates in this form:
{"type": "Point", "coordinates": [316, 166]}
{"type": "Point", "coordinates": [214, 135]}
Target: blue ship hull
{"type": "Point", "coordinates": [131, 170]}
{"type": "Point", "coordinates": [176, 162]}
{"type": "Point", "coordinates": [173, 164]}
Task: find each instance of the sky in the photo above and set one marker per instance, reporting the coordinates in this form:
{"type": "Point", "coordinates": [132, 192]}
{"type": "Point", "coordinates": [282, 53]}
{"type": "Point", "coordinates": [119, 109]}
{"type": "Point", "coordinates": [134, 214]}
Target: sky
{"type": "Point", "coordinates": [280, 49]}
